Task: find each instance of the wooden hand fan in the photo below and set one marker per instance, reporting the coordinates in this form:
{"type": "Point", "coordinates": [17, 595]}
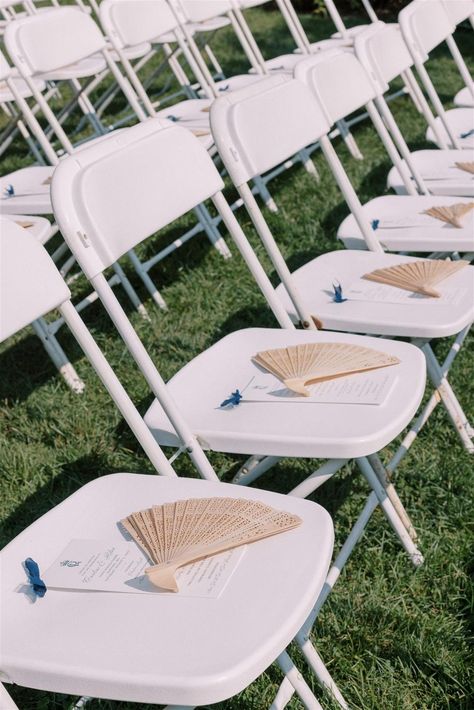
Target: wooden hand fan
{"type": "Point", "coordinates": [468, 167]}
{"type": "Point", "coordinates": [452, 214]}
{"type": "Point", "coordinates": [176, 534]}
{"type": "Point", "coordinates": [48, 180]}
{"type": "Point", "coordinates": [417, 276]}
{"type": "Point", "coordinates": [300, 365]}
{"type": "Point", "coordinates": [199, 133]}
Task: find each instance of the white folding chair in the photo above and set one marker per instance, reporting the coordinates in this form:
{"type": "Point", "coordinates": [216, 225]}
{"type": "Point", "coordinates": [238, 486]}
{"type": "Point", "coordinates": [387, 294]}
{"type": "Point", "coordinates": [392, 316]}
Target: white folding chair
{"type": "Point", "coordinates": [384, 55]}
{"type": "Point", "coordinates": [130, 22]}
{"type": "Point", "coordinates": [121, 664]}
{"type": "Point", "coordinates": [459, 11]}
{"type": "Point", "coordinates": [243, 146]}
{"type": "Point", "coordinates": [425, 25]}
{"type": "Point", "coordinates": [196, 420]}
{"type": "Point", "coordinates": [57, 39]}
{"type": "Point", "coordinates": [389, 219]}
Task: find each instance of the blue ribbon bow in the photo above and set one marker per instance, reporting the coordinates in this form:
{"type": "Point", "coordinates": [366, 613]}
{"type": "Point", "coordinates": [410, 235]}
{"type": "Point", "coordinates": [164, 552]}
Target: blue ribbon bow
{"type": "Point", "coordinates": [375, 224]}
{"type": "Point", "coordinates": [467, 134]}
{"type": "Point", "coordinates": [233, 400]}
{"type": "Point", "coordinates": [9, 191]}
{"type": "Point", "coordinates": [224, 88]}
{"type": "Point", "coordinates": [32, 570]}
{"type": "Point", "coordinates": [173, 118]}
{"type": "Point", "coordinates": [338, 298]}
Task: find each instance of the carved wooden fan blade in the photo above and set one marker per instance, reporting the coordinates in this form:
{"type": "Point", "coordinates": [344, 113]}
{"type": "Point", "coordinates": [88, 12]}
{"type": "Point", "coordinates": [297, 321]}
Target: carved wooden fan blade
{"type": "Point", "coordinates": [417, 276]}
{"type": "Point", "coordinates": [468, 167]}
{"type": "Point", "coordinates": [452, 214]}
{"type": "Point", "coordinates": [175, 534]}
{"type": "Point", "coordinates": [300, 365]}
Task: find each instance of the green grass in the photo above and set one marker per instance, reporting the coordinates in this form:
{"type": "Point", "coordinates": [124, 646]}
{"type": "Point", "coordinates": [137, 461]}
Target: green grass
{"type": "Point", "coordinates": [392, 637]}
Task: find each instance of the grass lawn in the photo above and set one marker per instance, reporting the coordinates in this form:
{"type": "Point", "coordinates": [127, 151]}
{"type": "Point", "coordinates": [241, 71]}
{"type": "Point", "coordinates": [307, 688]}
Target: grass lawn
{"type": "Point", "coordinates": [393, 638]}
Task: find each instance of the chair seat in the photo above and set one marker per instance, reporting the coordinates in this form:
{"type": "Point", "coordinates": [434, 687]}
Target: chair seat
{"type": "Point", "coordinates": [161, 648]}
{"type": "Point", "coordinates": [237, 82]}
{"type": "Point", "coordinates": [210, 25]}
{"type": "Point", "coordinates": [39, 227]}
{"type": "Point", "coordinates": [330, 43]}
{"type": "Point", "coordinates": [285, 429]}
{"type": "Point", "coordinates": [285, 63]}
{"type": "Point", "coordinates": [31, 196]}
{"type": "Point", "coordinates": [464, 98]}
{"type": "Point", "coordinates": [437, 167]}
{"type": "Point", "coordinates": [416, 320]}
{"type": "Point", "coordinates": [21, 87]}
{"type": "Point", "coordinates": [461, 121]}
{"type": "Point", "coordinates": [135, 51]}
{"type": "Point", "coordinates": [440, 237]}
{"type": "Point", "coordinates": [85, 67]}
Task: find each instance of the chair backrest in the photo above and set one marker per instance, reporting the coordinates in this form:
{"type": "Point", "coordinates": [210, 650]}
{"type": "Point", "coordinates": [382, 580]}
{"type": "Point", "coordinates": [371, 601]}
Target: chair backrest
{"type": "Point", "coordinates": [50, 40]}
{"type": "Point", "coordinates": [260, 126]}
{"type": "Point", "coordinates": [132, 22]}
{"type": "Point", "coordinates": [160, 173]}
{"type": "Point", "coordinates": [383, 52]}
{"type": "Point", "coordinates": [424, 25]}
{"type": "Point", "coordinates": [30, 284]}
{"type": "Point", "coordinates": [458, 10]}
{"type": "Point", "coordinates": [30, 287]}
{"type": "Point", "coordinates": [201, 10]}
{"type": "Point", "coordinates": [338, 80]}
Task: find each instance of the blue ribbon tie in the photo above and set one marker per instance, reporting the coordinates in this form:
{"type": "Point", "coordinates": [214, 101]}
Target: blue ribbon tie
{"type": "Point", "coordinates": [32, 570]}
{"type": "Point", "coordinates": [467, 134]}
{"type": "Point", "coordinates": [9, 191]}
{"type": "Point", "coordinates": [233, 400]}
{"type": "Point", "coordinates": [375, 224]}
{"type": "Point", "coordinates": [338, 298]}
{"type": "Point", "coordinates": [224, 88]}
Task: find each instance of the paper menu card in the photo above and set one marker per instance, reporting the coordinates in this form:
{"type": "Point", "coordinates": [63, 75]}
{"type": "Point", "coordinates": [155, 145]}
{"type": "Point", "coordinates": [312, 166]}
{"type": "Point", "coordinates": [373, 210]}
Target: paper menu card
{"type": "Point", "coordinates": [361, 388]}
{"type": "Point", "coordinates": [365, 290]}
{"type": "Point", "coordinates": [119, 566]}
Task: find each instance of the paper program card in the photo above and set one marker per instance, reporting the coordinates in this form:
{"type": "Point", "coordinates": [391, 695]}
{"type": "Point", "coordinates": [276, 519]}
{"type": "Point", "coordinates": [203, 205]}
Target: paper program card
{"type": "Point", "coordinates": [412, 220]}
{"type": "Point", "coordinates": [362, 388]}
{"type": "Point", "coordinates": [98, 565]}
{"type": "Point", "coordinates": [366, 290]}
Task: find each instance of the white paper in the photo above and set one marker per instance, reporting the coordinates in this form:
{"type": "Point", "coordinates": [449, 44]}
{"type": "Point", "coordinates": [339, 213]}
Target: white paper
{"type": "Point", "coordinates": [362, 388]}
{"type": "Point", "coordinates": [450, 174]}
{"type": "Point", "coordinates": [98, 565]}
{"type": "Point", "coordinates": [366, 290]}
{"type": "Point", "coordinates": [23, 192]}
{"type": "Point", "coordinates": [412, 220]}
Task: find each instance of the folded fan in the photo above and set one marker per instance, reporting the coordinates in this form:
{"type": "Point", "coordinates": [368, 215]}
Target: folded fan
{"type": "Point", "coordinates": [176, 534]}
{"type": "Point", "coordinates": [468, 167]}
{"type": "Point", "coordinates": [452, 214]}
{"type": "Point", "coordinates": [417, 276]}
{"type": "Point", "coordinates": [300, 365]}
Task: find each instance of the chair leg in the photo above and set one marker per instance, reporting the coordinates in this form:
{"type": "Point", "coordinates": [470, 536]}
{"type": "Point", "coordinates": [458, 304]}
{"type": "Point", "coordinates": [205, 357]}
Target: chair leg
{"type": "Point", "coordinates": [317, 665]}
{"type": "Point", "coordinates": [130, 291]}
{"type": "Point", "coordinates": [390, 512]}
{"type": "Point", "coordinates": [6, 701]}
{"type": "Point", "coordinates": [384, 477]}
{"type": "Point", "coordinates": [441, 372]}
{"type": "Point", "coordinates": [139, 268]}
{"type": "Point", "coordinates": [58, 356]}
{"type": "Point", "coordinates": [264, 193]}
{"type": "Point", "coordinates": [437, 375]}
{"type": "Point", "coordinates": [212, 232]}
{"type": "Point", "coordinates": [253, 468]}
{"type": "Point", "coordinates": [300, 686]}
{"type": "Point", "coordinates": [349, 139]}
